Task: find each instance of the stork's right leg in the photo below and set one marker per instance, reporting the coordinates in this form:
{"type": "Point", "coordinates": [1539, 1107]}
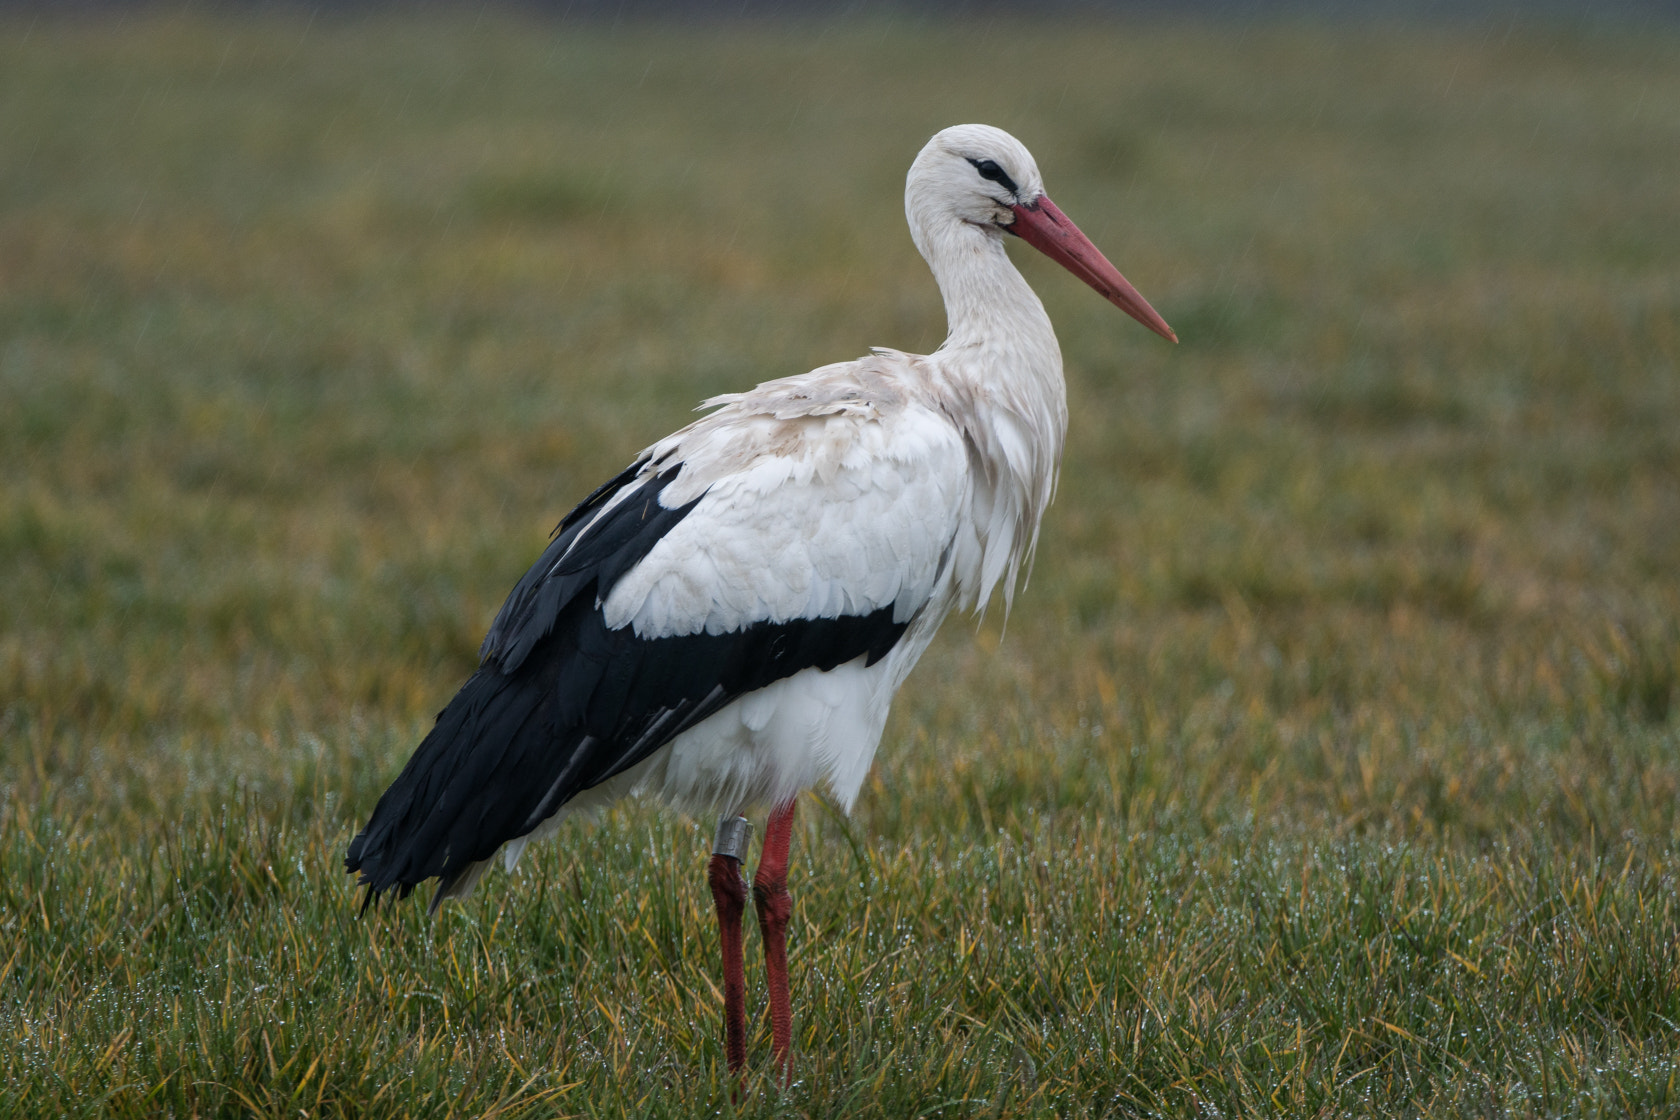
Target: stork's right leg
{"type": "Point", "coordinates": [770, 894]}
{"type": "Point", "coordinates": [729, 891]}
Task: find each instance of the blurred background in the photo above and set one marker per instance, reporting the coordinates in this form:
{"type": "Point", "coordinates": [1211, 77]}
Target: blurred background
{"type": "Point", "coordinates": [315, 318]}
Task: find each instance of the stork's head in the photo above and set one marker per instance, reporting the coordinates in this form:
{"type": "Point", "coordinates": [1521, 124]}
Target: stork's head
{"type": "Point", "coordinates": [977, 176]}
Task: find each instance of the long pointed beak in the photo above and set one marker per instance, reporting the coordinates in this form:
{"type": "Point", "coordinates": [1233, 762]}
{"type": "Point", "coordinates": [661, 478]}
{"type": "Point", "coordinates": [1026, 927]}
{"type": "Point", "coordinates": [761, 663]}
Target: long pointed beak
{"type": "Point", "coordinates": [1043, 226]}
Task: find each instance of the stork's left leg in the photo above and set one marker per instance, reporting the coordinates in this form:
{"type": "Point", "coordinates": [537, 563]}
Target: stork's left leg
{"type": "Point", "coordinates": [729, 891]}
{"type": "Point", "coordinates": [775, 906]}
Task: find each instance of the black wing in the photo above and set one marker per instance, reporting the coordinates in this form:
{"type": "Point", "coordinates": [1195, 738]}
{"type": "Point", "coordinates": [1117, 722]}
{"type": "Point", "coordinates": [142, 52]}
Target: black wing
{"type": "Point", "coordinates": [561, 702]}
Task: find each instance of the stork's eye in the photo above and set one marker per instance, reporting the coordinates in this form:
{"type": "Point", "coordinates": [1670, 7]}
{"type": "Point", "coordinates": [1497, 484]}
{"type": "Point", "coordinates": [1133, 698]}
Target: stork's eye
{"type": "Point", "coordinates": [990, 170]}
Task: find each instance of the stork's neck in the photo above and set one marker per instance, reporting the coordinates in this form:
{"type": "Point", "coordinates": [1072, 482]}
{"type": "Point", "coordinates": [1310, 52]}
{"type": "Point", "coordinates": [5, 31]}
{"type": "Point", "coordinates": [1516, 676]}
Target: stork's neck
{"type": "Point", "coordinates": [987, 302]}
{"type": "Point", "coordinates": [999, 342]}
{"type": "Point", "coordinates": [1002, 359]}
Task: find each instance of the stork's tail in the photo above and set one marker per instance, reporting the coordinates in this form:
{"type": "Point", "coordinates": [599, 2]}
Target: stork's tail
{"type": "Point", "coordinates": [462, 795]}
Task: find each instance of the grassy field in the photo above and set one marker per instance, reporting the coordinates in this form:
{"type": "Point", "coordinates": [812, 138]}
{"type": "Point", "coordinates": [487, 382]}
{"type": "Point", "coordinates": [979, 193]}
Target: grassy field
{"type": "Point", "coordinates": [1330, 764]}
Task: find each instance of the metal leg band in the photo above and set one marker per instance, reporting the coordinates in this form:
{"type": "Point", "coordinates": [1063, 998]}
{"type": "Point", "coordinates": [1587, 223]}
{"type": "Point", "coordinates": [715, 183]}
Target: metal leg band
{"type": "Point", "coordinates": [733, 836]}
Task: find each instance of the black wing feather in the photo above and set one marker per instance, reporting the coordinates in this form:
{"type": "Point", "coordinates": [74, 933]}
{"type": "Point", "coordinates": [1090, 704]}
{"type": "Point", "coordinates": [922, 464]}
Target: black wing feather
{"type": "Point", "coordinates": [562, 702]}
{"type": "Point", "coordinates": [618, 542]}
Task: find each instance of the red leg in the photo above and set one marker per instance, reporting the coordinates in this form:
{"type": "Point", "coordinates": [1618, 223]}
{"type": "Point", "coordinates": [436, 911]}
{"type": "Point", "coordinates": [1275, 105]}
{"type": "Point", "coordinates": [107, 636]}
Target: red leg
{"type": "Point", "coordinates": [775, 906]}
{"type": "Point", "coordinates": [729, 891]}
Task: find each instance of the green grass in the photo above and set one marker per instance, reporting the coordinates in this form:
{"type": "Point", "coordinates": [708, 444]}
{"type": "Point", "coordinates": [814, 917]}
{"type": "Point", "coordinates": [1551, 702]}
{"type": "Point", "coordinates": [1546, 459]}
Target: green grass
{"type": "Point", "coordinates": [1329, 765]}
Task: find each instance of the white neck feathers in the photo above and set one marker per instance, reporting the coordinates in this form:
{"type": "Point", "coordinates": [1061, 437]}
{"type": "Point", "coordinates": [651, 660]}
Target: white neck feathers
{"type": "Point", "coordinates": [1002, 374]}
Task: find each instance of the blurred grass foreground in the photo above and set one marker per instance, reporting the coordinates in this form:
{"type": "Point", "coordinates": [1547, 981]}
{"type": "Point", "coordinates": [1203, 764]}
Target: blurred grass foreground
{"type": "Point", "coordinates": [1329, 764]}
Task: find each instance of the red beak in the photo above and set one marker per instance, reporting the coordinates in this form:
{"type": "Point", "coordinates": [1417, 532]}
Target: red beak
{"type": "Point", "coordinates": [1043, 226]}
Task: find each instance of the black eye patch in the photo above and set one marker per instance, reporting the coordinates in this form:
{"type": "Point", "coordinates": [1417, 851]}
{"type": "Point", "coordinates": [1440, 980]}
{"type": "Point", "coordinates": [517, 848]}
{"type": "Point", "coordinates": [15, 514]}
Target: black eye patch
{"type": "Point", "coordinates": [990, 170]}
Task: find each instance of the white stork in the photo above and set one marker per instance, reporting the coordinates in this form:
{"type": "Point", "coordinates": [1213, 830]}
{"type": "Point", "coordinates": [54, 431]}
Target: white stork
{"type": "Point", "coordinates": [724, 623]}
